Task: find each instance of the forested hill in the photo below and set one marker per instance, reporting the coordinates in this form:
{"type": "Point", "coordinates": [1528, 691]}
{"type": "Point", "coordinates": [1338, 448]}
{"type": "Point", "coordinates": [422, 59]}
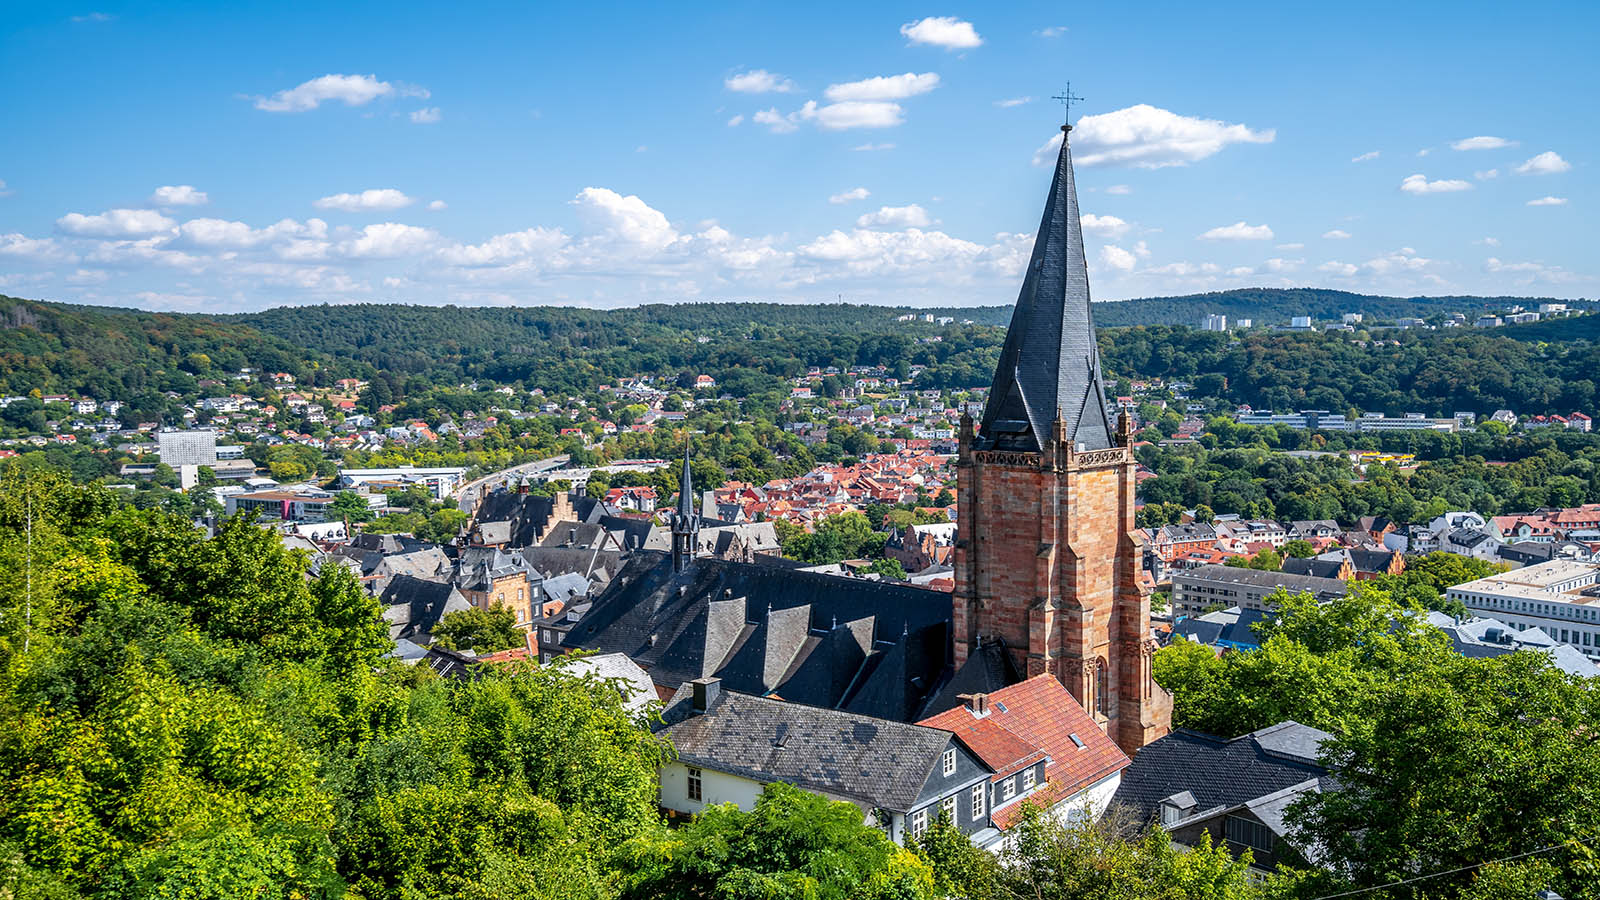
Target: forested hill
{"type": "Point", "coordinates": [750, 347]}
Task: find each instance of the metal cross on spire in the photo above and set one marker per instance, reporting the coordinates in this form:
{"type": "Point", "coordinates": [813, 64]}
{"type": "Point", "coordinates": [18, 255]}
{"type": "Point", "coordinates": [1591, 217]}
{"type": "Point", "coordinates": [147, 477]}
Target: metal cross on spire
{"type": "Point", "coordinates": [1066, 97]}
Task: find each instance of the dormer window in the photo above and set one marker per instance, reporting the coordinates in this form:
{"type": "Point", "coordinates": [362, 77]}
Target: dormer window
{"type": "Point", "coordinates": [1030, 777]}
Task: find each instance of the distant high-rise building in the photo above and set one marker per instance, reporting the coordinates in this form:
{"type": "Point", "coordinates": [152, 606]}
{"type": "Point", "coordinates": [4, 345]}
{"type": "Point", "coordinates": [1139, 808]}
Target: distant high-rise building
{"type": "Point", "coordinates": [197, 447]}
{"type": "Point", "coordinates": [1300, 322]}
{"type": "Point", "coordinates": [1243, 323]}
{"type": "Point", "coordinates": [1215, 322]}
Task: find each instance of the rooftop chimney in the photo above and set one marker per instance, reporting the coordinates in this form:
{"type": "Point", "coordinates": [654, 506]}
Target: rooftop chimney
{"type": "Point", "coordinates": [706, 691]}
{"type": "Point", "coordinates": [977, 703]}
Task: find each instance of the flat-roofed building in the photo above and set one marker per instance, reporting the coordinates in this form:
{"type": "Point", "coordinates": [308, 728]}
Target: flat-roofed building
{"type": "Point", "coordinates": [1197, 590]}
{"type": "Point", "coordinates": [196, 447]}
{"type": "Point", "coordinates": [1561, 597]}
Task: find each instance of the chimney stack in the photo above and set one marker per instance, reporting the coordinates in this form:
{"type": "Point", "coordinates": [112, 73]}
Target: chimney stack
{"type": "Point", "coordinates": [706, 691]}
{"type": "Point", "coordinates": [977, 703]}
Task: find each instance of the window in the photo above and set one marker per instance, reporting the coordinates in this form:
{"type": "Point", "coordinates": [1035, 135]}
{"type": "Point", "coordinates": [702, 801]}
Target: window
{"type": "Point", "coordinates": [980, 800]}
{"type": "Point", "coordinates": [919, 822]}
{"type": "Point", "coordinates": [520, 593]}
{"type": "Point", "coordinates": [1248, 832]}
{"type": "Point", "coordinates": [949, 762]}
{"type": "Point", "coordinates": [1008, 789]}
{"type": "Point", "coordinates": [1029, 778]}
{"type": "Point", "coordinates": [947, 808]}
{"type": "Point", "coordinates": [696, 786]}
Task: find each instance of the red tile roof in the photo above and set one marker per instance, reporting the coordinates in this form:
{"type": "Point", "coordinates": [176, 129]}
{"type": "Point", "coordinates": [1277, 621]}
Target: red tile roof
{"type": "Point", "coordinates": [1042, 715]}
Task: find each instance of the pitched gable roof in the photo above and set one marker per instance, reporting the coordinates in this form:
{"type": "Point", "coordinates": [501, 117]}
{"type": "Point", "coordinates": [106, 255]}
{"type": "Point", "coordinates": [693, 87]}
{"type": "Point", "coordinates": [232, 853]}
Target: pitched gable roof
{"type": "Point", "coordinates": [1220, 772]}
{"type": "Point", "coordinates": [1033, 719]}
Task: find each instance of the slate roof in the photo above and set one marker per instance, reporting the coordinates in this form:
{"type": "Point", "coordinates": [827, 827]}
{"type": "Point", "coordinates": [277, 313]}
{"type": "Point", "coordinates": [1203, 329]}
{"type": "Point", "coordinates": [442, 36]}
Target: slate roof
{"type": "Point", "coordinates": [870, 647]}
{"type": "Point", "coordinates": [1370, 561]}
{"type": "Point", "coordinates": [1234, 625]}
{"type": "Point", "coordinates": [874, 762]}
{"type": "Point", "coordinates": [987, 669]}
{"type": "Point", "coordinates": [1049, 368]}
{"type": "Point", "coordinates": [1036, 718]}
{"type": "Point", "coordinates": [479, 567]}
{"type": "Point", "coordinates": [1315, 567]}
{"type": "Point", "coordinates": [1219, 771]}
{"type": "Point", "coordinates": [529, 514]}
{"type": "Point", "coordinates": [413, 606]}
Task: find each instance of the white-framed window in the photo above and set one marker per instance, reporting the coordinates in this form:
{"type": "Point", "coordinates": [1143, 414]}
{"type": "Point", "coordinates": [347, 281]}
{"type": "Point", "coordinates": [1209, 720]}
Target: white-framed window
{"type": "Point", "coordinates": [1008, 789]}
{"type": "Point", "coordinates": [980, 800]}
{"type": "Point", "coordinates": [919, 822]}
{"type": "Point", "coordinates": [947, 808]}
{"type": "Point", "coordinates": [696, 785]}
{"type": "Point", "coordinates": [949, 762]}
{"type": "Point", "coordinates": [1029, 778]}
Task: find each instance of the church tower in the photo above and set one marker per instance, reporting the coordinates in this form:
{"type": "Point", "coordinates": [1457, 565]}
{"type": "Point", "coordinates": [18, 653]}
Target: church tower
{"type": "Point", "coordinates": [1047, 557]}
{"type": "Point", "coordinates": [685, 522]}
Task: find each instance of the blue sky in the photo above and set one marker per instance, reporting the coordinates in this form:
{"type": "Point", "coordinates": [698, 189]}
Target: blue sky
{"type": "Point", "coordinates": [220, 157]}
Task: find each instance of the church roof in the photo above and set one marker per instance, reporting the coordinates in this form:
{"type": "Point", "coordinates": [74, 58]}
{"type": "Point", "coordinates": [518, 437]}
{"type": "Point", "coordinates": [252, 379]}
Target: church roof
{"type": "Point", "coordinates": [1049, 368]}
{"type": "Point", "coordinates": [868, 647]}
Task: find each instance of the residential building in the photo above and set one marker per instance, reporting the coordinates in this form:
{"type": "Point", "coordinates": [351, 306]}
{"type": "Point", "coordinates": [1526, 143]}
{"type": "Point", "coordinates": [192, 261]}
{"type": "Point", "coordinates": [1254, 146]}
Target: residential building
{"type": "Point", "coordinates": [1198, 590]}
{"type": "Point", "coordinates": [1214, 322]}
{"type": "Point", "coordinates": [413, 607]}
{"type": "Point", "coordinates": [1236, 790]}
{"type": "Point", "coordinates": [442, 481]}
{"type": "Point", "coordinates": [730, 745]}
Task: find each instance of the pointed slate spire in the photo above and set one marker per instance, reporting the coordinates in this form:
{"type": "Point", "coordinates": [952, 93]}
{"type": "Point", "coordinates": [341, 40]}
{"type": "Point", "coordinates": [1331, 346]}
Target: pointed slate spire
{"type": "Point", "coordinates": [685, 488]}
{"type": "Point", "coordinates": [1049, 371]}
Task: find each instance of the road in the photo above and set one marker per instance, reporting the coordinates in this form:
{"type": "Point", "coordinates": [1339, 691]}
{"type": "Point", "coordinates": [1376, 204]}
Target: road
{"type": "Point", "coordinates": [467, 498]}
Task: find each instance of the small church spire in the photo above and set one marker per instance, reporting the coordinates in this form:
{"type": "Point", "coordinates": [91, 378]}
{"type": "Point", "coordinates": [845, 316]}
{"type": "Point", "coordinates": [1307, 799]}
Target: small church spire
{"type": "Point", "coordinates": [1048, 381]}
{"type": "Point", "coordinates": [685, 522]}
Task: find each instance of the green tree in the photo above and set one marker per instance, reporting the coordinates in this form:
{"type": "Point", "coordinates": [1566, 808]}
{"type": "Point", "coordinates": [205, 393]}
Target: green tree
{"type": "Point", "coordinates": [792, 844]}
{"type": "Point", "coordinates": [349, 506]}
{"type": "Point", "coordinates": [1299, 549]}
{"type": "Point", "coordinates": [483, 630]}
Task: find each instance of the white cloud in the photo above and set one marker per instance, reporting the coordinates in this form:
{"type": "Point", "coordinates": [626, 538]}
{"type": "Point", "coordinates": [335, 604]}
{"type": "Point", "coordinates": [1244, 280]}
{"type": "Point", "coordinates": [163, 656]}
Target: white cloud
{"type": "Point", "coordinates": [948, 32]}
{"type": "Point", "coordinates": [3, 191]}
{"type": "Point", "coordinates": [1147, 137]}
{"type": "Point", "coordinates": [540, 243]}
{"type": "Point", "coordinates": [175, 195]}
{"type": "Point", "coordinates": [733, 122]}
{"type": "Point", "coordinates": [388, 240]}
{"type": "Point", "coordinates": [21, 246]}
{"type": "Point", "coordinates": [374, 199]}
{"type": "Point", "coordinates": [351, 90]}
{"type": "Point", "coordinates": [1369, 155]}
{"type": "Point", "coordinates": [1238, 231]}
{"type": "Point", "coordinates": [1482, 142]}
{"type": "Point", "coordinates": [868, 148]}
{"type": "Point", "coordinates": [1119, 189]}
{"type": "Point", "coordinates": [1337, 234]}
{"type": "Point", "coordinates": [94, 17]}
{"type": "Point", "coordinates": [1419, 184]}
{"type": "Point", "coordinates": [1424, 151]}
{"type": "Point", "coordinates": [758, 81]}
{"type": "Point", "coordinates": [1529, 272]}
{"type": "Point", "coordinates": [1546, 163]}
{"type": "Point", "coordinates": [1014, 101]}
{"type": "Point", "coordinates": [426, 116]}
{"type": "Point", "coordinates": [848, 114]}
{"type": "Point", "coordinates": [627, 220]}
{"type": "Point", "coordinates": [779, 124]}
{"type": "Point", "coordinates": [437, 205]}
{"type": "Point", "coordinates": [1293, 246]}
{"type": "Point", "coordinates": [221, 233]}
{"type": "Point", "coordinates": [884, 87]}
{"type": "Point", "coordinates": [1488, 241]}
{"type": "Point", "coordinates": [1486, 174]}
{"type": "Point", "coordinates": [1279, 264]}
{"type": "Point", "coordinates": [1117, 258]}
{"type": "Point", "coordinates": [1109, 227]}
{"type": "Point", "coordinates": [116, 223]}
{"type": "Point", "coordinates": [1052, 31]}
{"type": "Point", "coordinates": [912, 252]}
{"type": "Point", "coordinates": [1334, 267]}
{"type": "Point", "coordinates": [1141, 249]}
{"type": "Point", "coordinates": [859, 193]}
{"type": "Point", "coordinates": [912, 216]}
{"type": "Point", "coordinates": [1185, 269]}
{"type": "Point", "coordinates": [1548, 201]}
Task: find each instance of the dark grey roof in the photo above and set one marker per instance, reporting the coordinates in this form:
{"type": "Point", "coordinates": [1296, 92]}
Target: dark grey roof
{"type": "Point", "coordinates": [1219, 771]}
{"type": "Point", "coordinates": [479, 567]}
{"type": "Point", "coordinates": [1049, 369]}
{"type": "Point", "coordinates": [413, 606]}
{"type": "Point", "coordinates": [529, 514]}
{"type": "Point", "coordinates": [552, 561]}
{"type": "Point", "coordinates": [875, 762]}
{"type": "Point", "coordinates": [686, 508]}
{"type": "Point", "coordinates": [1233, 625]}
{"type": "Point", "coordinates": [1314, 567]}
{"type": "Point", "coordinates": [1366, 560]}
{"type": "Point", "coordinates": [1258, 578]}
{"type": "Point", "coordinates": [867, 646]}
{"type": "Point", "coordinates": [988, 669]}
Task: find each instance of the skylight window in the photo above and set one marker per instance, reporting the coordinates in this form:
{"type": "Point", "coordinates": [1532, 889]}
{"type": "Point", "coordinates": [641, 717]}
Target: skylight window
{"type": "Point", "coordinates": [1077, 741]}
{"type": "Point", "coordinates": [1000, 706]}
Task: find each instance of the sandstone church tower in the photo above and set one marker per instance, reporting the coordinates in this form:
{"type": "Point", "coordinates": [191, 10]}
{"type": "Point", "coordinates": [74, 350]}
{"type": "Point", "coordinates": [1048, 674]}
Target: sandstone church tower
{"type": "Point", "coordinates": [1047, 559]}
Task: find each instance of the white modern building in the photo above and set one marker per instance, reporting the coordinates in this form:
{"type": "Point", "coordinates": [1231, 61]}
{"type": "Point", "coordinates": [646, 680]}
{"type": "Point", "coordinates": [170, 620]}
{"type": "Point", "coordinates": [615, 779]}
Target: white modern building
{"type": "Point", "coordinates": [443, 481]}
{"type": "Point", "coordinates": [195, 447]}
{"type": "Point", "coordinates": [1560, 597]}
